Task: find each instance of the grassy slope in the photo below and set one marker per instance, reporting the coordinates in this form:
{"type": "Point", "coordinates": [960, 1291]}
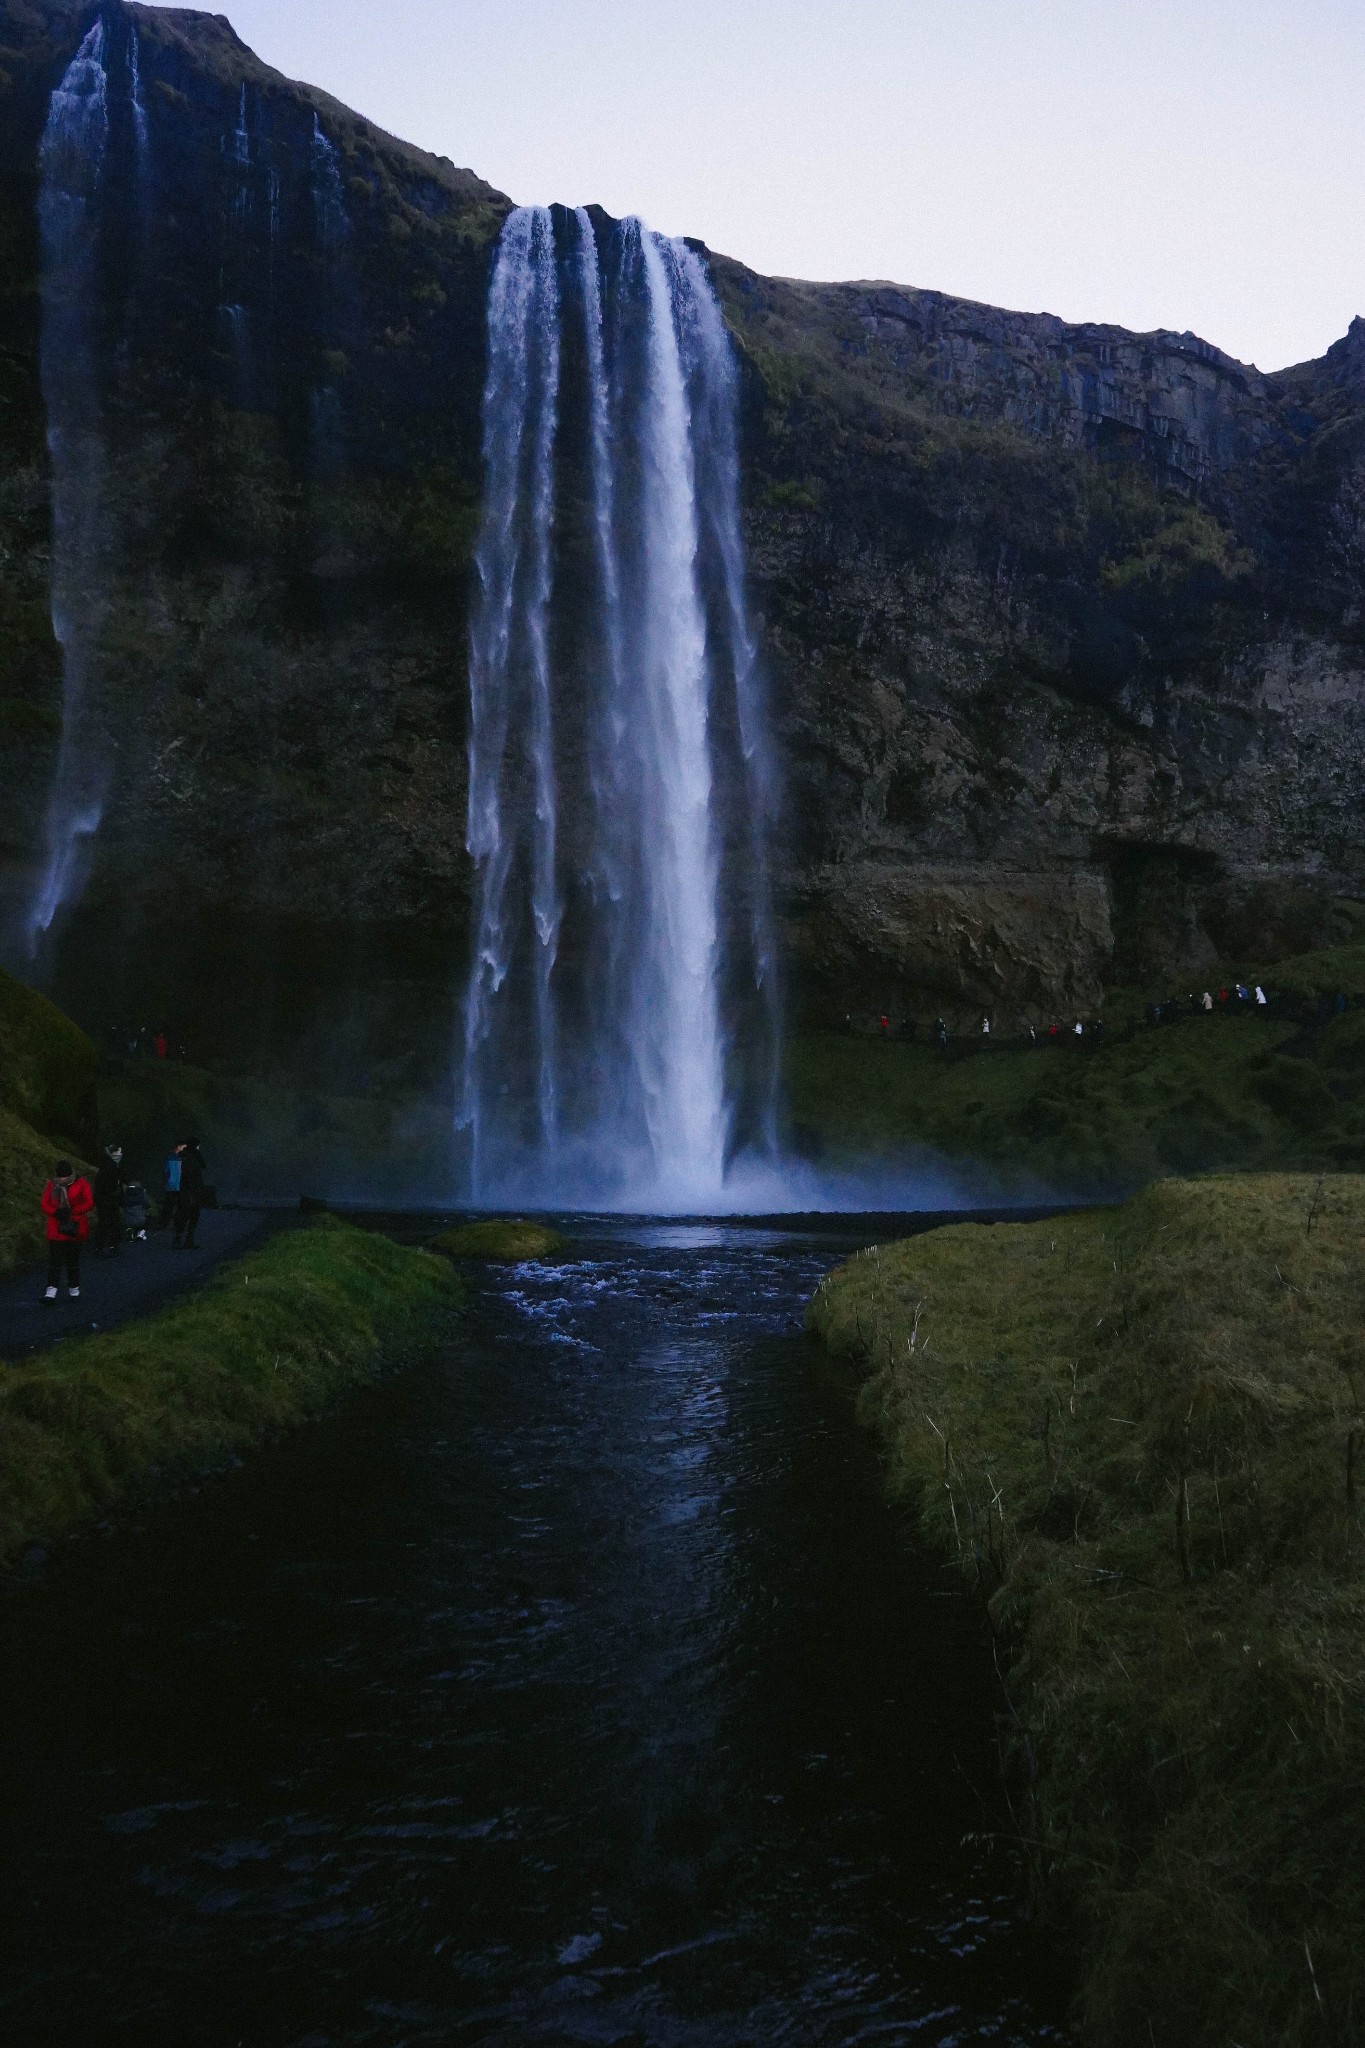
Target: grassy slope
{"type": "Point", "coordinates": [1202, 1093]}
{"type": "Point", "coordinates": [48, 1071]}
{"type": "Point", "coordinates": [268, 1342]}
{"type": "Point", "coordinates": [1140, 1430]}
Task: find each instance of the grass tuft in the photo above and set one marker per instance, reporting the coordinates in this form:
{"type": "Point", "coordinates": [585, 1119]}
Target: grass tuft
{"type": "Point", "coordinates": [510, 1239]}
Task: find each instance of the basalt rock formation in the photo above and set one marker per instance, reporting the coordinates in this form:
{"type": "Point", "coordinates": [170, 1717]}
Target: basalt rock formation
{"type": "Point", "coordinates": [1064, 627]}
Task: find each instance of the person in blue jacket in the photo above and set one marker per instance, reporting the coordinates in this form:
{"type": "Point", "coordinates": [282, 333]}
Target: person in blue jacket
{"type": "Point", "coordinates": [172, 1194]}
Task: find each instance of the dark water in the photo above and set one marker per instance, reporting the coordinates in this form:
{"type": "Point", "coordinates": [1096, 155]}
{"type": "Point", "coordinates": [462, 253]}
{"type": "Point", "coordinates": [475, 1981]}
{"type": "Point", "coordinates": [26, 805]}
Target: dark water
{"type": "Point", "coordinates": [577, 1688]}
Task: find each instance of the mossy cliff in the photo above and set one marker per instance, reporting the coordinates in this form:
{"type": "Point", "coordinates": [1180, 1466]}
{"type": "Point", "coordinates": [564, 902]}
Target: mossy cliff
{"type": "Point", "coordinates": [1065, 627]}
{"type": "Point", "coordinates": [1139, 1431]}
{"type": "Point", "coordinates": [270, 1340]}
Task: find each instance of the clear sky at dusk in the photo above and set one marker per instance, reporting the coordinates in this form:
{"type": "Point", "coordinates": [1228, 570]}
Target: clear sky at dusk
{"type": "Point", "coordinates": [1176, 163]}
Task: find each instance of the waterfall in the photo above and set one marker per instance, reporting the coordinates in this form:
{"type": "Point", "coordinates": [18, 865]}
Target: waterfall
{"type": "Point", "coordinates": [72, 158]}
{"type": "Point", "coordinates": [141, 131]}
{"type": "Point", "coordinates": [614, 684]}
{"type": "Point", "coordinates": [329, 201]}
{"type": "Point", "coordinates": [711, 364]}
{"type": "Point", "coordinates": [510, 671]}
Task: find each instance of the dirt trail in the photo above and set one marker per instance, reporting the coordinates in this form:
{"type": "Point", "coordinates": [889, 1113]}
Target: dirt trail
{"type": "Point", "coordinates": [140, 1277]}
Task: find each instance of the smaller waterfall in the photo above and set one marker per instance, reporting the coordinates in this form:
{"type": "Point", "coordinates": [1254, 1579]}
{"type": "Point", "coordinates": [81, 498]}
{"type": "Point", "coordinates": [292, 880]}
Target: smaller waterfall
{"type": "Point", "coordinates": [329, 201]}
{"type": "Point", "coordinates": [332, 232]}
{"type": "Point", "coordinates": [241, 134]}
{"type": "Point", "coordinates": [142, 133]}
{"type": "Point", "coordinates": [72, 160]}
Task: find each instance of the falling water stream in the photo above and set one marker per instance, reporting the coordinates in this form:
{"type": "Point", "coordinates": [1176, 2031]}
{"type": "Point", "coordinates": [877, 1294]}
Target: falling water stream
{"type": "Point", "coordinates": [74, 145]}
{"type": "Point", "coordinates": [599, 1058]}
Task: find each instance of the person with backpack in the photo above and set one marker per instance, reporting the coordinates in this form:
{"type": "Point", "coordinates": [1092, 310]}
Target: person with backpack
{"type": "Point", "coordinates": [68, 1199]}
{"type": "Point", "coordinates": [190, 1199]}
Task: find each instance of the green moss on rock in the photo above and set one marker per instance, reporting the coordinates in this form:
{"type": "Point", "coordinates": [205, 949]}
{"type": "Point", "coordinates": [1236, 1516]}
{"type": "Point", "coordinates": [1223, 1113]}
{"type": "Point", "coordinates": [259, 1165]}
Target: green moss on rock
{"type": "Point", "coordinates": [509, 1239]}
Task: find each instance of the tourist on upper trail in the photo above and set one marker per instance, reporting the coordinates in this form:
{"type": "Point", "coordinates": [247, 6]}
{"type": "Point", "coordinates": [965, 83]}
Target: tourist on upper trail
{"type": "Point", "coordinates": [68, 1199]}
{"type": "Point", "coordinates": [1208, 1002]}
{"type": "Point", "coordinates": [190, 1200]}
{"type": "Point", "coordinates": [1260, 997]}
{"type": "Point", "coordinates": [161, 1045]}
{"type": "Point", "coordinates": [168, 1200]}
{"type": "Point", "coordinates": [985, 1027]}
{"type": "Point", "coordinates": [109, 1202]}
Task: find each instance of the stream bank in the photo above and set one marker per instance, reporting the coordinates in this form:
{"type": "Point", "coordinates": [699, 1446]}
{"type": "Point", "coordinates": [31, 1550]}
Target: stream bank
{"type": "Point", "coordinates": [268, 1341]}
{"type": "Point", "coordinates": [1138, 1430]}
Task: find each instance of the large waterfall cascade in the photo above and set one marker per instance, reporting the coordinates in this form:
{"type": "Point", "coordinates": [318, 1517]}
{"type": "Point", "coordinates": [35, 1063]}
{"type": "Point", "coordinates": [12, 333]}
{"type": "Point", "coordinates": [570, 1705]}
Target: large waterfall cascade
{"type": "Point", "coordinates": [620, 780]}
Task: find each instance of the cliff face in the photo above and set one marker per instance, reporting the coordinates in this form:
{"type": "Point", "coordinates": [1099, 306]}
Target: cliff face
{"type": "Point", "coordinates": [1067, 612]}
{"type": "Point", "coordinates": [1065, 627]}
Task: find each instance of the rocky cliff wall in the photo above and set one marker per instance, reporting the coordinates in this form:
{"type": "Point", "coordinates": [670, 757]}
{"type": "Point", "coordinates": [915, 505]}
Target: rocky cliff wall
{"type": "Point", "coordinates": [1065, 627]}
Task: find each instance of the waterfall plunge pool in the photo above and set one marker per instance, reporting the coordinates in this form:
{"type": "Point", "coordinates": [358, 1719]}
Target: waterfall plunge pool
{"type": "Point", "coordinates": [578, 1686]}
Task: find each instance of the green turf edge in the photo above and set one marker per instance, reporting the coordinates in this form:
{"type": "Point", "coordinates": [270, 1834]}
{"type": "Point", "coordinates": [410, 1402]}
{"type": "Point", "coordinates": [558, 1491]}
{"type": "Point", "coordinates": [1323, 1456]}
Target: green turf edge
{"type": "Point", "coordinates": [1139, 1430]}
{"type": "Point", "coordinates": [270, 1340]}
{"type": "Point", "coordinates": [499, 1238]}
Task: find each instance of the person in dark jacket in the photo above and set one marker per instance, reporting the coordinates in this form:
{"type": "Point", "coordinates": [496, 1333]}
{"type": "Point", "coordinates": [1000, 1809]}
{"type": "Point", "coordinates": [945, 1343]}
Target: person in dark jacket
{"type": "Point", "coordinates": [68, 1199]}
{"type": "Point", "coordinates": [190, 1200]}
{"type": "Point", "coordinates": [109, 1201]}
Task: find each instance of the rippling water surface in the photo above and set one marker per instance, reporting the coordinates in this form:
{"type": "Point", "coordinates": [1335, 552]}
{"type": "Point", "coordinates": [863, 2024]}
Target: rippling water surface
{"type": "Point", "coordinates": [576, 1688]}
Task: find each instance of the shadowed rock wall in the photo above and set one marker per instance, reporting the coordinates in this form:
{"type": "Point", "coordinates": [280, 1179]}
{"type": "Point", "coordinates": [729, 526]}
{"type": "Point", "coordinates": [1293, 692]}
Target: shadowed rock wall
{"type": "Point", "coordinates": [1065, 627]}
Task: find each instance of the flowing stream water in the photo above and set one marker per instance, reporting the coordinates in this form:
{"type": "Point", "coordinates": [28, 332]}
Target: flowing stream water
{"type": "Point", "coordinates": [576, 1687]}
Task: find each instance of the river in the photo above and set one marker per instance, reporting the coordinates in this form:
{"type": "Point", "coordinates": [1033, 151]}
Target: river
{"type": "Point", "coordinates": [577, 1686]}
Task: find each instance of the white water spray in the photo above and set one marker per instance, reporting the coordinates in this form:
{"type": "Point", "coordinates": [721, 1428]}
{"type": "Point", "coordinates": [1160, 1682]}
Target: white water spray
{"type": "Point", "coordinates": [72, 160]}
{"type": "Point", "coordinates": [603, 1073]}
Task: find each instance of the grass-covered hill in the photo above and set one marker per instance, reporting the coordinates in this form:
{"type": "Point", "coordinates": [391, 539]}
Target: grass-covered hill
{"type": "Point", "coordinates": [1283, 1089]}
{"type": "Point", "coordinates": [48, 1104]}
{"type": "Point", "coordinates": [1141, 1432]}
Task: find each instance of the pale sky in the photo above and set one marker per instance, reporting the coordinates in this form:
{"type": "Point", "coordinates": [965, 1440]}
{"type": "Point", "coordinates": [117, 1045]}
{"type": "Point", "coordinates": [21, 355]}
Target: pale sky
{"type": "Point", "coordinates": [1160, 163]}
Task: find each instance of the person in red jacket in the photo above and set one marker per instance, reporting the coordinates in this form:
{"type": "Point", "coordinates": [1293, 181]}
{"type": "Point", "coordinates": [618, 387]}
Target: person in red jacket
{"type": "Point", "coordinates": [68, 1199]}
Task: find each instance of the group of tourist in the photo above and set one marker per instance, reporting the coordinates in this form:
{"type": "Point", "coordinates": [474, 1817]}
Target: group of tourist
{"type": "Point", "coordinates": [119, 1209]}
{"type": "Point", "coordinates": [146, 1041]}
{"type": "Point", "coordinates": [1235, 998]}
{"type": "Point", "coordinates": [1241, 996]}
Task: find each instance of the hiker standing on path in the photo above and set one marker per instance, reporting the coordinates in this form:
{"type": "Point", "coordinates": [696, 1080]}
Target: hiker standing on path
{"type": "Point", "coordinates": [68, 1199]}
{"type": "Point", "coordinates": [109, 1201]}
{"type": "Point", "coordinates": [170, 1197]}
{"type": "Point", "coordinates": [190, 1199]}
